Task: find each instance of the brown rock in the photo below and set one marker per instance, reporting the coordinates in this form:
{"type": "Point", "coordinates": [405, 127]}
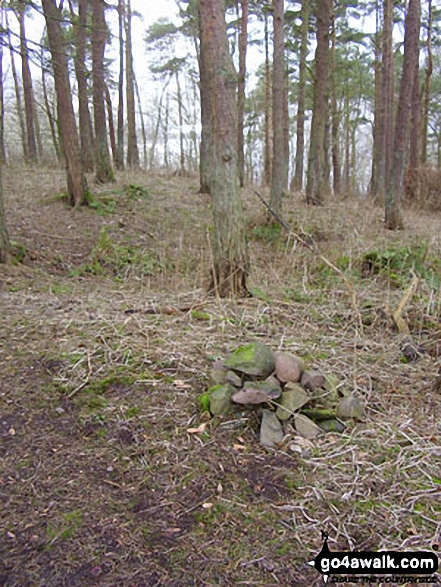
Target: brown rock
{"type": "Point", "coordinates": [288, 367]}
{"type": "Point", "coordinates": [313, 380]}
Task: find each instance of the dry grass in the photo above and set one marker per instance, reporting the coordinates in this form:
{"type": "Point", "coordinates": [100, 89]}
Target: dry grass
{"type": "Point", "coordinates": [101, 482]}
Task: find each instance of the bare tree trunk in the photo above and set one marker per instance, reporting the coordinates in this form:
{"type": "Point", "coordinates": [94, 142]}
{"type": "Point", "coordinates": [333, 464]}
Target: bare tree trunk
{"type": "Point", "coordinates": [85, 119]}
{"type": "Point", "coordinates": [112, 137]}
{"type": "Point", "coordinates": [297, 184]}
{"type": "Point", "coordinates": [48, 109]}
{"type": "Point", "coordinates": [393, 218]}
{"type": "Point", "coordinates": [4, 238]}
{"type": "Point", "coordinates": [120, 123]}
{"type": "Point", "coordinates": [27, 87]}
{"type": "Point", "coordinates": [204, 149]}
{"type": "Point", "coordinates": [316, 180]}
{"type": "Point", "coordinates": [267, 123]}
{"type": "Point", "coordinates": [76, 181]}
{"type": "Point", "coordinates": [347, 167]}
{"type": "Point", "coordinates": [428, 76]}
{"type": "Point", "coordinates": [103, 169]}
{"type": "Point", "coordinates": [18, 103]}
{"type": "Point", "coordinates": [141, 117]}
{"type": "Point", "coordinates": [165, 133]}
{"type": "Point", "coordinates": [415, 129]}
{"type": "Point", "coordinates": [386, 115]}
{"type": "Point", "coordinates": [230, 259]}
{"type": "Point", "coordinates": [335, 116]}
{"type": "Point", "coordinates": [243, 41]}
{"type": "Point", "coordinates": [278, 163]}
{"type": "Point", "coordinates": [285, 130]}
{"type": "Point", "coordinates": [181, 124]}
{"type": "Point", "coordinates": [157, 126]}
{"type": "Point", "coordinates": [2, 100]}
{"type": "Point", "coordinates": [376, 139]}
{"type": "Point", "coordinates": [132, 141]}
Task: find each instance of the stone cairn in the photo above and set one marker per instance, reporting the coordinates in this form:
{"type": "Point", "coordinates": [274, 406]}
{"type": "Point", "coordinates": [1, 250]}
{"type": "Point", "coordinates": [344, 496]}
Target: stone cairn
{"type": "Point", "coordinates": [277, 385]}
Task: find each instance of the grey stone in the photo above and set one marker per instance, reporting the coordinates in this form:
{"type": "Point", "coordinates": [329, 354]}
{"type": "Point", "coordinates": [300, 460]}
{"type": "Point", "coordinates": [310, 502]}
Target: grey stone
{"type": "Point", "coordinates": [252, 359]}
{"type": "Point", "coordinates": [271, 433]}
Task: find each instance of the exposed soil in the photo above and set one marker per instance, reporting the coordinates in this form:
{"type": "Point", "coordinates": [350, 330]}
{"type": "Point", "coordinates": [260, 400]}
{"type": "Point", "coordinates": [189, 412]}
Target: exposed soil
{"type": "Point", "coordinates": [106, 341]}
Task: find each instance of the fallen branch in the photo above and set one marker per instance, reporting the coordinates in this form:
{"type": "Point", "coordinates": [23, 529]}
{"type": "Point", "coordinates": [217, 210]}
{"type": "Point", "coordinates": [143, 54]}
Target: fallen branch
{"type": "Point", "coordinates": [400, 322]}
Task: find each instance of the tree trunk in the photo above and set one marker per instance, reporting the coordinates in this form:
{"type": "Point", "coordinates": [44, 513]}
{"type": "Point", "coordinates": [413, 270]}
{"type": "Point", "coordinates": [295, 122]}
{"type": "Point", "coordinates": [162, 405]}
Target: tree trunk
{"type": "Point", "coordinates": [132, 141]}
{"type": "Point", "coordinates": [112, 137]}
{"type": "Point", "coordinates": [85, 120]}
{"type": "Point", "coordinates": [286, 129]}
{"type": "Point", "coordinates": [103, 169]}
{"type": "Point", "coordinates": [181, 124]}
{"type": "Point", "coordinates": [347, 167]}
{"type": "Point", "coordinates": [76, 181]}
{"type": "Point", "coordinates": [393, 219]}
{"type": "Point", "coordinates": [47, 106]}
{"type": "Point", "coordinates": [278, 163]}
{"type": "Point", "coordinates": [19, 106]}
{"type": "Point", "coordinates": [428, 76]}
{"type": "Point", "coordinates": [297, 184]}
{"type": "Point", "coordinates": [386, 117]}
{"type": "Point", "coordinates": [141, 117]}
{"type": "Point", "coordinates": [230, 258]}
{"type": "Point", "coordinates": [415, 130]}
{"type": "Point", "coordinates": [4, 238]}
{"type": "Point", "coordinates": [165, 132]}
{"type": "Point", "coordinates": [27, 87]}
{"type": "Point", "coordinates": [267, 122]}
{"type": "Point", "coordinates": [120, 123]}
{"type": "Point", "coordinates": [243, 41]}
{"type": "Point", "coordinates": [335, 116]}
{"type": "Point", "coordinates": [373, 188]}
{"type": "Point", "coordinates": [204, 157]}
{"type": "Point", "coordinates": [2, 101]}
{"type": "Point", "coordinates": [316, 181]}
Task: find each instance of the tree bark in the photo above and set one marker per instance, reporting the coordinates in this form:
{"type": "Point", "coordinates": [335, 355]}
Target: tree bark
{"type": "Point", "coordinates": [181, 124]}
{"type": "Point", "coordinates": [335, 116]}
{"type": "Point", "coordinates": [428, 76]}
{"type": "Point", "coordinates": [85, 119]}
{"type": "Point", "coordinates": [316, 180]}
{"type": "Point", "coordinates": [2, 101]}
{"type": "Point", "coordinates": [415, 130]}
{"type": "Point", "coordinates": [49, 114]}
{"type": "Point", "coordinates": [4, 238]}
{"type": "Point", "coordinates": [393, 220]}
{"type": "Point", "coordinates": [141, 118]}
{"type": "Point", "coordinates": [278, 162]}
{"type": "Point", "coordinates": [230, 259]}
{"type": "Point", "coordinates": [28, 92]}
{"type": "Point", "coordinates": [103, 168]}
{"type": "Point", "coordinates": [120, 123]}
{"type": "Point", "coordinates": [386, 116]}
{"type": "Point", "coordinates": [112, 137]}
{"type": "Point", "coordinates": [204, 149]}
{"type": "Point", "coordinates": [132, 141]}
{"type": "Point", "coordinates": [267, 115]}
{"type": "Point", "coordinates": [243, 41]}
{"type": "Point", "coordinates": [297, 184]}
{"type": "Point", "coordinates": [18, 101]}
{"type": "Point", "coordinates": [76, 181]}
{"type": "Point", "coordinates": [373, 188]}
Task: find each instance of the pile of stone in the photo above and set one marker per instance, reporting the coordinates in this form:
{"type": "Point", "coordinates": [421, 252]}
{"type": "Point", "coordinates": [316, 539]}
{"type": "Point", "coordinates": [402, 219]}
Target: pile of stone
{"type": "Point", "coordinates": [282, 390]}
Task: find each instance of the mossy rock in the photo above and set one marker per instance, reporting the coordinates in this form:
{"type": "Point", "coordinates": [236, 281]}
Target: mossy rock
{"type": "Point", "coordinates": [293, 398]}
{"type": "Point", "coordinates": [255, 359]}
{"type": "Point", "coordinates": [220, 399]}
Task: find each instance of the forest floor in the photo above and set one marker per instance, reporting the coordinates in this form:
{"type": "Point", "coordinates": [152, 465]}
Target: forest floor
{"type": "Point", "coordinates": [106, 342]}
